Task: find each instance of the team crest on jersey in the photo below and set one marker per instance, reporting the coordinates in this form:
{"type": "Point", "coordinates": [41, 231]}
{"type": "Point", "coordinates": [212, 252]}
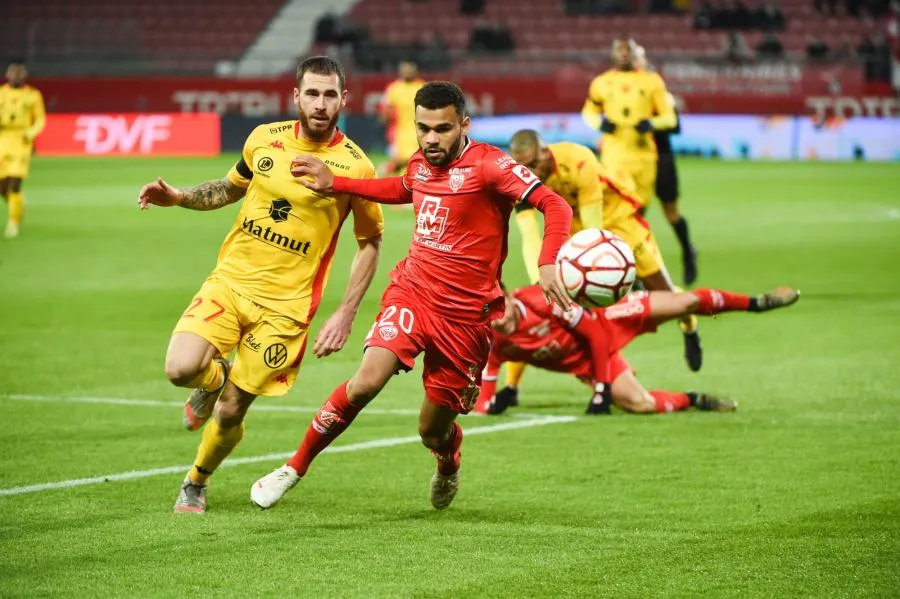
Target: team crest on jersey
{"type": "Point", "coordinates": [456, 181]}
{"type": "Point", "coordinates": [387, 332]}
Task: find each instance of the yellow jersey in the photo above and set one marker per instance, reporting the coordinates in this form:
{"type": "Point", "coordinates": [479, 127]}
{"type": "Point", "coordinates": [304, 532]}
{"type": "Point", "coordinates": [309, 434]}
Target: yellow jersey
{"type": "Point", "coordinates": [400, 106]}
{"type": "Point", "coordinates": [400, 103]}
{"type": "Point", "coordinates": [588, 189]}
{"type": "Point", "coordinates": [626, 98]}
{"type": "Point", "coordinates": [280, 248]}
{"type": "Point", "coordinates": [22, 111]}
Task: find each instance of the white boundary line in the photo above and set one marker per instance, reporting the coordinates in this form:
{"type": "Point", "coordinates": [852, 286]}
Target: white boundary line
{"type": "Point", "coordinates": [256, 407]}
{"type": "Point", "coordinates": [271, 457]}
{"type": "Point", "coordinates": [153, 403]}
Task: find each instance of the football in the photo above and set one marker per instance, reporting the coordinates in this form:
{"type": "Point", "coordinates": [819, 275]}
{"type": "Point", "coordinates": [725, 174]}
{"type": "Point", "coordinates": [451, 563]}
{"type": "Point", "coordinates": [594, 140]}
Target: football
{"type": "Point", "coordinates": [596, 268]}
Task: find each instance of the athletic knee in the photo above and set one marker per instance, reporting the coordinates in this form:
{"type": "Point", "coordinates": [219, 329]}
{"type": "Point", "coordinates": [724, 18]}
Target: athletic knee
{"type": "Point", "coordinates": [635, 402]}
{"type": "Point", "coordinates": [688, 302]}
{"type": "Point", "coordinates": [433, 439]}
{"type": "Point", "coordinates": [671, 211]}
{"type": "Point", "coordinates": [364, 386]}
{"type": "Point", "coordinates": [181, 371]}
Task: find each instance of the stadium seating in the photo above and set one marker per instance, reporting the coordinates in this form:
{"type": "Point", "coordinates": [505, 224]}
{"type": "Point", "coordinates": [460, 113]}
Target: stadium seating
{"type": "Point", "coordinates": [546, 37]}
{"type": "Point", "coordinates": [172, 36]}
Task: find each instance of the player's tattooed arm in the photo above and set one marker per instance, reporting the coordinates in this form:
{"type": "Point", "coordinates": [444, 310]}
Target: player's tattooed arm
{"type": "Point", "coordinates": [211, 195]}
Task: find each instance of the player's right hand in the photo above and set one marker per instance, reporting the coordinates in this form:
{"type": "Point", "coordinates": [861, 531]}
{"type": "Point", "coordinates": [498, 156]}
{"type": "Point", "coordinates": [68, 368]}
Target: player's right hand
{"type": "Point", "coordinates": [553, 291]}
{"type": "Point", "coordinates": [312, 173]}
{"type": "Point", "coordinates": [158, 193]}
{"type": "Point", "coordinates": [607, 126]}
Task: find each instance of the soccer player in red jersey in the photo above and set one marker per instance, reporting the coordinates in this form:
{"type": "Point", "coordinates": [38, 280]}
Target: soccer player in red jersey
{"type": "Point", "coordinates": [587, 343]}
{"type": "Point", "coordinates": [444, 294]}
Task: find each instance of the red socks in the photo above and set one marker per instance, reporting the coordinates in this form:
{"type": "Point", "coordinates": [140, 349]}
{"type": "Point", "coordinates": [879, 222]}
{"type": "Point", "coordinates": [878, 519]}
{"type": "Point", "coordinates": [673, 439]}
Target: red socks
{"type": "Point", "coordinates": [668, 401]}
{"type": "Point", "coordinates": [715, 301]}
{"type": "Point", "coordinates": [331, 420]}
{"type": "Point", "coordinates": [449, 457]}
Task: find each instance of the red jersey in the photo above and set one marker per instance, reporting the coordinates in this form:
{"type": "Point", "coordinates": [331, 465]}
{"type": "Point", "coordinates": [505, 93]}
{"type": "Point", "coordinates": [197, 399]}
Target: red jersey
{"type": "Point", "coordinates": [543, 337]}
{"type": "Point", "coordinates": [462, 220]}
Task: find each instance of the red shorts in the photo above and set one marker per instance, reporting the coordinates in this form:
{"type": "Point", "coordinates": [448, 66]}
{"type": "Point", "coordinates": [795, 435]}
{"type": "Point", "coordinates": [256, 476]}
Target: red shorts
{"type": "Point", "coordinates": [624, 321]}
{"type": "Point", "coordinates": [455, 352]}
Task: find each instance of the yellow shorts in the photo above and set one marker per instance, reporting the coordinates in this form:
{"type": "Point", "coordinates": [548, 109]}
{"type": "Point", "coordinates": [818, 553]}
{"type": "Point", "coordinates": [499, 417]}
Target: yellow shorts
{"type": "Point", "coordinates": [635, 231]}
{"type": "Point", "coordinates": [15, 154]}
{"type": "Point", "coordinates": [269, 345]}
{"type": "Point", "coordinates": [638, 173]}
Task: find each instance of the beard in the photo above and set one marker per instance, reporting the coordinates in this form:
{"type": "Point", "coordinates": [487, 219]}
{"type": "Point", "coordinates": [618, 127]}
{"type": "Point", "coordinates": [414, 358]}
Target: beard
{"type": "Point", "coordinates": [317, 134]}
{"type": "Point", "coordinates": [445, 158]}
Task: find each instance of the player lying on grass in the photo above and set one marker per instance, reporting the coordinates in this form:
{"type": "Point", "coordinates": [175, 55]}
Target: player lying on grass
{"type": "Point", "coordinates": [587, 343]}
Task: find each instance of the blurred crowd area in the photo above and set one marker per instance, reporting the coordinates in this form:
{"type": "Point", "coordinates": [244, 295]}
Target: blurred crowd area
{"type": "Point", "coordinates": [194, 37]}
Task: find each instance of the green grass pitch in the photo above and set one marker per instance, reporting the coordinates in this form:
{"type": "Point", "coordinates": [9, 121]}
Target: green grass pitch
{"type": "Point", "coordinates": [795, 495]}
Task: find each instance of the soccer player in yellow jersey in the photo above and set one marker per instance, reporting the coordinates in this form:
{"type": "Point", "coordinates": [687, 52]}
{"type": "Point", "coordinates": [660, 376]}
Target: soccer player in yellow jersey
{"type": "Point", "coordinates": [627, 105]}
{"type": "Point", "coordinates": [667, 185]}
{"type": "Point", "coordinates": [22, 119]}
{"type": "Point", "coordinates": [598, 202]}
{"type": "Point", "coordinates": [398, 112]}
{"type": "Point", "coordinates": [271, 271]}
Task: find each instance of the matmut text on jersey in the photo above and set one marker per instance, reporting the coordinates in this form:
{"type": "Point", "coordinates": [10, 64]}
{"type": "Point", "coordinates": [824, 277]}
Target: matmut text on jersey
{"type": "Point", "coordinates": [280, 247]}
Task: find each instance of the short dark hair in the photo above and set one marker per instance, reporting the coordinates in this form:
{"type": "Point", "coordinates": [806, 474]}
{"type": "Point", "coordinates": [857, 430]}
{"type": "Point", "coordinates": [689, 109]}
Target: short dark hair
{"type": "Point", "coordinates": [17, 60]}
{"type": "Point", "coordinates": [526, 138]}
{"type": "Point", "coordinates": [321, 65]}
{"type": "Point", "coordinates": [440, 94]}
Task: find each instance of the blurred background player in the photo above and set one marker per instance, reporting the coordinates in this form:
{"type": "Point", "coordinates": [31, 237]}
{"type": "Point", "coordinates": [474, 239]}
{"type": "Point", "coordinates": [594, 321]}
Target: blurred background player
{"type": "Point", "coordinates": [597, 202]}
{"type": "Point", "coordinates": [443, 294]}
{"type": "Point", "coordinates": [398, 113]}
{"type": "Point", "coordinates": [271, 271]}
{"type": "Point", "coordinates": [22, 119]}
{"type": "Point", "coordinates": [587, 344]}
{"type": "Point", "coordinates": [627, 105]}
{"type": "Point", "coordinates": [667, 183]}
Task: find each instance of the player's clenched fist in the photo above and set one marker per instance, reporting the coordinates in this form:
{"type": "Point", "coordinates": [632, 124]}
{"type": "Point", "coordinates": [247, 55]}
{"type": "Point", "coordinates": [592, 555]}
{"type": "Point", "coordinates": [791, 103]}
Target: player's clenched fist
{"type": "Point", "coordinates": [312, 173]}
{"type": "Point", "coordinates": [553, 291]}
{"type": "Point", "coordinates": [158, 193]}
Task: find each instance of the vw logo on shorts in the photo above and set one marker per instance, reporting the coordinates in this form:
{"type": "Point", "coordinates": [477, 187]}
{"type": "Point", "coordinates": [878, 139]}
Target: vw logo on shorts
{"type": "Point", "coordinates": [275, 355]}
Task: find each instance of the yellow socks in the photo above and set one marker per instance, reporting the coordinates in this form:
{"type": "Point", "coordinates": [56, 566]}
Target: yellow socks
{"type": "Point", "coordinates": [16, 205]}
{"type": "Point", "coordinates": [688, 324]}
{"type": "Point", "coordinates": [217, 443]}
{"type": "Point", "coordinates": [514, 373]}
{"type": "Point", "coordinates": [212, 378]}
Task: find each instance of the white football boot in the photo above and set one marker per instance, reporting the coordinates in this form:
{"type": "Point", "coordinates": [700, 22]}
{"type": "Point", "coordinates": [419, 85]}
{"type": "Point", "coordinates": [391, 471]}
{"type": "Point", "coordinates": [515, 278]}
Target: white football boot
{"type": "Point", "coordinates": [269, 490]}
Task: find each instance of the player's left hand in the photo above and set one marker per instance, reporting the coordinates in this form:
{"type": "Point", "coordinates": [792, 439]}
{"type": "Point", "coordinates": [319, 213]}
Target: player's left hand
{"type": "Point", "coordinates": [312, 173]}
{"type": "Point", "coordinates": [553, 291]}
{"type": "Point", "coordinates": [644, 126]}
{"type": "Point", "coordinates": [333, 335]}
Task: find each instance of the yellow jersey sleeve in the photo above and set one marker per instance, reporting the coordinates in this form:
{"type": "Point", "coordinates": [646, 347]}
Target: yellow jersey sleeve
{"type": "Point", "coordinates": [592, 111]}
{"type": "Point", "coordinates": [590, 191]}
{"type": "Point", "coordinates": [662, 105]}
{"type": "Point", "coordinates": [526, 220]}
{"type": "Point", "coordinates": [38, 116]}
{"type": "Point", "coordinates": [241, 171]}
{"type": "Point", "coordinates": [368, 219]}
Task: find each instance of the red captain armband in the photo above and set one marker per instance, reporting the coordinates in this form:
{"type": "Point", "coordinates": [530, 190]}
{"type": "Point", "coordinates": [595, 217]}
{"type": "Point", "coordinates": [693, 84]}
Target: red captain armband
{"type": "Point", "coordinates": [382, 191]}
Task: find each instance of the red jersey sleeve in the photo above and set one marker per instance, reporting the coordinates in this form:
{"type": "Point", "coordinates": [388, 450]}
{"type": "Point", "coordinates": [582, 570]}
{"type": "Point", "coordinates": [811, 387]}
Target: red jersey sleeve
{"type": "Point", "coordinates": [507, 177]}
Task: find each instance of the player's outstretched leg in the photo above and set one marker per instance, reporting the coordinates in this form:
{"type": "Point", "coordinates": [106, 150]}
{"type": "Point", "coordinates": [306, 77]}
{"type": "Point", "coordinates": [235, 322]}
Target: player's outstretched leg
{"type": "Point", "coordinates": [191, 361]}
{"type": "Point", "coordinates": [441, 434]}
{"type": "Point", "coordinates": [709, 302]}
{"type": "Point", "coordinates": [628, 394]}
{"type": "Point", "coordinates": [220, 436]}
{"type": "Point", "coordinates": [693, 350]}
{"type": "Point", "coordinates": [332, 419]}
